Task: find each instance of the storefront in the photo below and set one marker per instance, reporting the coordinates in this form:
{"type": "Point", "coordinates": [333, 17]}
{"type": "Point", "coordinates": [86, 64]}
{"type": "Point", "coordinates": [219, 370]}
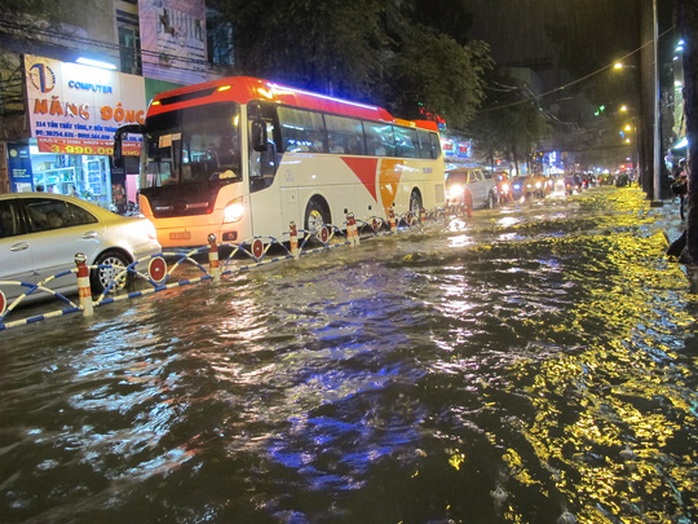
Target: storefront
{"type": "Point", "coordinates": [74, 111]}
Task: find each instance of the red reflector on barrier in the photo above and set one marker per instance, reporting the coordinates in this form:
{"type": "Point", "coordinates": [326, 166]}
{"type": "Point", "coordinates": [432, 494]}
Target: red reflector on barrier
{"type": "Point", "coordinates": [257, 248]}
{"type": "Point", "coordinates": [157, 269]}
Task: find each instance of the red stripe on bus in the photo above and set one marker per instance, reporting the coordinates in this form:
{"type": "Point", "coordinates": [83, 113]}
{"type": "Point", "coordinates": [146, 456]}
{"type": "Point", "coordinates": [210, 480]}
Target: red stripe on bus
{"type": "Point", "coordinates": [365, 170]}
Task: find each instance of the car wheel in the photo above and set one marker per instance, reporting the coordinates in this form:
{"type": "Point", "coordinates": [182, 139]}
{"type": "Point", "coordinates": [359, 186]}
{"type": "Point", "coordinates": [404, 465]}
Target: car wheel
{"type": "Point", "coordinates": [101, 277]}
{"type": "Point", "coordinates": [316, 215]}
{"type": "Point", "coordinates": [491, 200]}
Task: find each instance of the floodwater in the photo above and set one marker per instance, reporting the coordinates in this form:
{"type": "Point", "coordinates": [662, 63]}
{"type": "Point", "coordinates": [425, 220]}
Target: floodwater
{"type": "Point", "coordinates": [532, 364]}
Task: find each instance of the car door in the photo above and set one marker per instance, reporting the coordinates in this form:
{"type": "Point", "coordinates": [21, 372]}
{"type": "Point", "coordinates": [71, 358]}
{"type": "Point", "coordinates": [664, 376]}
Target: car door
{"type": "Point", "coordinates": [476, 184]}
{"type": "Point", "coordinates": [65, 231]}
{"type": "Point", "coordinates": [16, 262]}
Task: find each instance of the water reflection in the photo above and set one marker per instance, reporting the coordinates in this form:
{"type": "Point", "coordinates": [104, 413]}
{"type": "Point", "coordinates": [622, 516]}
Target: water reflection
{"type": "Point", "coordinates": [540, 369]}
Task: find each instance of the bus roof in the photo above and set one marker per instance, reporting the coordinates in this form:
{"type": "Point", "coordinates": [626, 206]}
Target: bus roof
{"type": "Point", "coordinates": [243, 89]}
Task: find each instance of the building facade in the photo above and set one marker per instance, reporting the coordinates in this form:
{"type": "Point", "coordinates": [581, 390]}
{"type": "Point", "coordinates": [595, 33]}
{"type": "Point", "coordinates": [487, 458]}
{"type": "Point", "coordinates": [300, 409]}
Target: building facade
{"type": "Point", "coordinates": [71, 77]}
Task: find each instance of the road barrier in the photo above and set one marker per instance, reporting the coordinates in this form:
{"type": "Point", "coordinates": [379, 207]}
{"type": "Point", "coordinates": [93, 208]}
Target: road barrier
{"type": "Point", "coordinates": [159, 272]}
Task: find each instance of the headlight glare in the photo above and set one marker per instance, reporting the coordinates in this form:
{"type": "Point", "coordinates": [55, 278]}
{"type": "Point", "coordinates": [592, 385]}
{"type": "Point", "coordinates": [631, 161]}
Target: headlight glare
{"type": "Point", "coordinates": [234, 211]}
{"type": "Point", "coordinates": [455, 191]}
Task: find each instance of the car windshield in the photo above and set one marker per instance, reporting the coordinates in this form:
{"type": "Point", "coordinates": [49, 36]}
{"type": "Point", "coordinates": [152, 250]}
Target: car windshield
{"type": "Point", "coordinates": [198, 144]}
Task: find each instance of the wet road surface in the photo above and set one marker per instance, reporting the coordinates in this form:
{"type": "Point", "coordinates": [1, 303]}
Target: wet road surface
{"type": "Point", "coordinates": [534, 363]}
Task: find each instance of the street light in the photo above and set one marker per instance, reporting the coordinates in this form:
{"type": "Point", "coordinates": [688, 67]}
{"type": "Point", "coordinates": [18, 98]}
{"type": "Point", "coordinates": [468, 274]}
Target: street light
{"type": "Point", "coordinates": [631, 127]}
{"type": "Point", "coordinates": [650, 120]}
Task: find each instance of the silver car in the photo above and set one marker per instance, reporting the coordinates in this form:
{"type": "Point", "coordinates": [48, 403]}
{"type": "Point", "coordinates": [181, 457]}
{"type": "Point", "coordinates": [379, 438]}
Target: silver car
{"type": "Point", "coordinates": [40, 234]}
{"type": "Point", "coordinates": [473, 185]}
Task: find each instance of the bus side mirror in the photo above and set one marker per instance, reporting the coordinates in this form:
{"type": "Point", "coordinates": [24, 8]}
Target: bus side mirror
{"type": "Point", "coordinates": [119, 139]}
{"type": "Point", "coordinates": [259, 135]}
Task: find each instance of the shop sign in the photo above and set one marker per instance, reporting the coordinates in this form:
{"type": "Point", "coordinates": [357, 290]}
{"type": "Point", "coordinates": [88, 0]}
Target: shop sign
{"type": "Point", "coordinates": [464, 149]}
{"type": "Point", "coordinates": [448, 146]}
{"type": "Point", "coordinates": [20, 168]}
{"type": "Point", "coordinates": [76, 109]}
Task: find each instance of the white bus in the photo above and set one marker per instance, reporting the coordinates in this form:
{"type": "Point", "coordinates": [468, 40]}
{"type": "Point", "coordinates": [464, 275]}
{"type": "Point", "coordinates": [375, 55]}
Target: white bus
{"type": "Point", "coordinates": [243, 157]}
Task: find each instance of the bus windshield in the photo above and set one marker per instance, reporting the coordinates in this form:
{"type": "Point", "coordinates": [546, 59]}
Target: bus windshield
{"type": "Point", "coordinates": [193, 145]}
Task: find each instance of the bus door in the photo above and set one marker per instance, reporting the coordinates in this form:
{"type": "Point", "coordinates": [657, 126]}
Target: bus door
{"type": "Point", "coordinates": [263, 163]}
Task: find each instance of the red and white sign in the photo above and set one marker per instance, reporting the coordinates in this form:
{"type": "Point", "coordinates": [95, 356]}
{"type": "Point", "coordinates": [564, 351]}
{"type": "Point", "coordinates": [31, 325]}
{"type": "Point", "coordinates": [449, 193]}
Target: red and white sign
{"type": "Point", "coordinates": [157, 269]}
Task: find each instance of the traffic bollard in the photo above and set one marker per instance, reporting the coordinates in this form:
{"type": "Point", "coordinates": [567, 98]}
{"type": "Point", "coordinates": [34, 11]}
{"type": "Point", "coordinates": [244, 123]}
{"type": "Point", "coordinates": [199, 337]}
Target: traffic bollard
{"type": "Point", "coordinates": [213, 262]}
{"type": "Point", "coordinates": [84, 289]}
{"type": "Point", "coordinates": [293, 234]}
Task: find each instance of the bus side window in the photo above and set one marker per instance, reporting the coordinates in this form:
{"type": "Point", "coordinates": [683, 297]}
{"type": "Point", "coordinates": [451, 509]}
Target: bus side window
{"type": "Point", "coordinates": [435, 145]}
{"type": "Point", "coordinates": [426, 149]}
{"type": "Point", "coordinates": [269, 157]}
{"type": "Point", "coordinates": [379, 139]}
{"type": "Point", "coordinates": [406, 142]}
{"type": "Point", "coordinates": [263, 164]}
{"type": "Point", "coordinates": [345, 135]}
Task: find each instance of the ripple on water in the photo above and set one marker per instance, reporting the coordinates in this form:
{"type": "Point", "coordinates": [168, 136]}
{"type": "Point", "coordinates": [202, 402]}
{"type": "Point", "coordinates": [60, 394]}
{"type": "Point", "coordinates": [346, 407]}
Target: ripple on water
{"type": "Point", "coordinates": [525, 365]}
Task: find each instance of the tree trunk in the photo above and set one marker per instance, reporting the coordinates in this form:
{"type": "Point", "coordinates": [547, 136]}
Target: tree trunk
{"type": "Point", "coordinates": [687, 21]}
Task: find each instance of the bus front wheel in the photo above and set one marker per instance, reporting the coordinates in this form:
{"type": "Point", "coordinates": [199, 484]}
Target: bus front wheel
{"type": "Point", "coordinates": [316, 215]}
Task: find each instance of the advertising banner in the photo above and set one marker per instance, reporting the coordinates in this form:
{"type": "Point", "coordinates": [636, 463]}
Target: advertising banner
{"type": "Point", "coordinates": [76, 109]}
{"type": "Point", "coordinates": [173, 40]}
{"type": "Point", "coordinates": [20, 167]}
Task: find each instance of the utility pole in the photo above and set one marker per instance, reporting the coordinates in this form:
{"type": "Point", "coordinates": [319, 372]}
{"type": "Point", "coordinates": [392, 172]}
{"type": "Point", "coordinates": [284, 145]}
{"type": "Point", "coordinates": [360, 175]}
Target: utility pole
{"type": "Point", "coordinates": [687, 21]}
{"type": "Point", "coordinates": [656, 134]}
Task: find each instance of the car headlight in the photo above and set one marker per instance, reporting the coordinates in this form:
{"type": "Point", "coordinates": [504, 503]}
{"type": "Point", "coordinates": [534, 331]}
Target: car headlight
{"type": "Point", "coordinates": [455, 191]}
{"type": "Point", "coordinates": [234, 211]}
{"type": "Point", "coordinates": [538, 185]}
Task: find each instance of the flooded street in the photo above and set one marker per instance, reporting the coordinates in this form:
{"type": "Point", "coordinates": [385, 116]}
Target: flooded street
{"type": "Point", "coordinates": [535, 363]}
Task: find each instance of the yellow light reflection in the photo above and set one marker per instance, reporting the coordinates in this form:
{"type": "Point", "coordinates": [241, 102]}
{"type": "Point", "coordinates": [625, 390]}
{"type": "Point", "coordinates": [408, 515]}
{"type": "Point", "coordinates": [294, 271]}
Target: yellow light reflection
{"type": "Point", "coordinates": [608, 411]}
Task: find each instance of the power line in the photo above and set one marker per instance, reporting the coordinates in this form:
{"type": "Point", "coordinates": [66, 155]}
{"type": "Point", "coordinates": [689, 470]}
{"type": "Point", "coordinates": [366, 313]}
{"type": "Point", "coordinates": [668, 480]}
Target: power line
{"type": "Point", "coordinates": [574, 82]}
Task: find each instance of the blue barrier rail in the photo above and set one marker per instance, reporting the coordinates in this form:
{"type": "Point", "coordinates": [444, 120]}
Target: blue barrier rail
{"type": "Point", "coordinates": [157, 273]}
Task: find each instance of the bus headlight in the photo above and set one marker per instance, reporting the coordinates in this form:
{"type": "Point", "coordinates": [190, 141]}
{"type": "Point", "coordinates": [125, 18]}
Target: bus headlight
{"type": "Point", "coordinates": [234, 211]}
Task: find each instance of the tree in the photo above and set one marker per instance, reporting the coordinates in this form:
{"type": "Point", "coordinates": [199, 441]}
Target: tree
{"type": "Point", "coordinates": [24, 22]}
{"type": "Point", "coordinates": [434, 72]}
{"type": "Point", "coordinates": [46, 10]}
{"type": "Point", "coordinates": [687, 21]}
{"type": "Point", "coordinates": [510, 119]}
{"type": "Point", "coordinates": [330, 46]}
{"type": "Point", "coordinates": [367, 50]}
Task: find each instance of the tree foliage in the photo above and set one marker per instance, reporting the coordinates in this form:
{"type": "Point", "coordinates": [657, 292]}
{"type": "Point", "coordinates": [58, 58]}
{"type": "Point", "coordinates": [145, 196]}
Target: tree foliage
{"type": "Point", "coordinates": [38, 11]}
{"type": "Point", "coordinates": [369, 50]}
{"type": "Point", "coordinates": [330, 46]}
{"type": "Point", "coordinates": [510, 121]}
{"type": "Point", "coordinates": [435, 73]}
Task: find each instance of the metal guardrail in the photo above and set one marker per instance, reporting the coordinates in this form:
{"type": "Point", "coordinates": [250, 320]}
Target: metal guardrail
{"type": "Point", "coordinates": [157, 273]}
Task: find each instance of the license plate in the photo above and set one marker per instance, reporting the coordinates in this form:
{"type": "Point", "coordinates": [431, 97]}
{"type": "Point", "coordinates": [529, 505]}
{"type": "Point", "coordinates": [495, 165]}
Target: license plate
{"type": "Point", "coordinates": [180, 235]}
